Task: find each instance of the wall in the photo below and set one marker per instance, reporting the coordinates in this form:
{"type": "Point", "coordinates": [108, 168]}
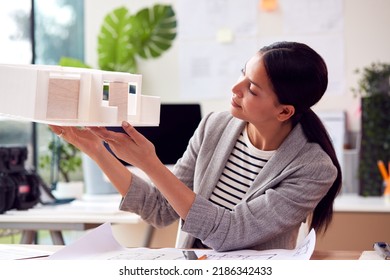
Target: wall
{"type": "Point", "coordinates": [366, 40]}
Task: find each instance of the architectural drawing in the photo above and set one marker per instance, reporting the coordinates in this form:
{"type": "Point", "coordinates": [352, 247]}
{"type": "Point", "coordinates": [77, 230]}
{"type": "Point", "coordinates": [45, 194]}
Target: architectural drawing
{"type": "Point", "coordinates": [75, 96]}
{"type": "Point", "coordinates": [100, 244]}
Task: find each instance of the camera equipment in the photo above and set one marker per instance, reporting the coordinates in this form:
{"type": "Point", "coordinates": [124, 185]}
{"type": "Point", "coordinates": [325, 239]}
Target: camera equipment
{"type": "Point", "coordinates": [19, 187]}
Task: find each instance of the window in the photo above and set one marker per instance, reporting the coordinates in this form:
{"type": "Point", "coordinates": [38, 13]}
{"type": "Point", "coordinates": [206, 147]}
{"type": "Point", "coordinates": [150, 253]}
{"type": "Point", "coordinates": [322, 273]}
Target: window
{"type": "Point", "coordinates": [15, 40]}
{"type": "Point", "coordinates": [16, 46]}
{"type": "Point", "coordinates": [40, 32]}
{"type": "Point", "coordinates": [59, 30]}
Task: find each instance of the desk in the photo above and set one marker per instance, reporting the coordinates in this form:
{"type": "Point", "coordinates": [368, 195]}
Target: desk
{"type": "Point", "coordinates": [356, 203]}
{"type": "Point", "coordinates": [357, 223]}
{"type": "Point", "coordinates": [336, 255]}
{"type": "Point", "coordinates": [84, 214]}
{"type": "Point", "coordinates": [317, 255]}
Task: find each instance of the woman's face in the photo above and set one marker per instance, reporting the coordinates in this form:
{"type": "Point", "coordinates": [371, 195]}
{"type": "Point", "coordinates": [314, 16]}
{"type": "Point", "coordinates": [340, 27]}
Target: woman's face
{"type": "Point", "coordinates": [253, 97]}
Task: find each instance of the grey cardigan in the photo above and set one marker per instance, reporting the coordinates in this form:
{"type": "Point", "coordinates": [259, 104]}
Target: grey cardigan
{"type": "Point", "coordinates": [283, 194]}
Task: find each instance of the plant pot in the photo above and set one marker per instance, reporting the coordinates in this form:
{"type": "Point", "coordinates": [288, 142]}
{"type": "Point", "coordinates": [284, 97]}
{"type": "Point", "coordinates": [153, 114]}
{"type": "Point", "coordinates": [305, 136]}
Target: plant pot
{"type": "Point", "coordinates": [375, 143]}
{"type": "Point", "coordinates": [94, 180]}
{"type": "Point", "coordinates": [73, 189]}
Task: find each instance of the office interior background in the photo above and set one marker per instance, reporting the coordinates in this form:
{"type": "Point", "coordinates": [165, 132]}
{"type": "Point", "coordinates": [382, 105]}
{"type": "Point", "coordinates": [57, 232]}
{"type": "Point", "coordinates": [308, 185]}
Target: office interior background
{"type": "Point", "coordinates": [364, 41]}
{"type": "Point", "coordinates": [354, 34]}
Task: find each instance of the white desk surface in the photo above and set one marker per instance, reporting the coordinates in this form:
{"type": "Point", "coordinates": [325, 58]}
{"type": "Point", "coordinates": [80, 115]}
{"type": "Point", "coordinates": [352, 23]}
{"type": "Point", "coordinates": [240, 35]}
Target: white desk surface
{"type": "Point", "coordinates": [96, 209]}
{"type": "Point", "coordinates": [83, 214]}
{"type": "Point", "coordinates": [356, 203]}
{"type": "Point", "coordinates": [139, 172]}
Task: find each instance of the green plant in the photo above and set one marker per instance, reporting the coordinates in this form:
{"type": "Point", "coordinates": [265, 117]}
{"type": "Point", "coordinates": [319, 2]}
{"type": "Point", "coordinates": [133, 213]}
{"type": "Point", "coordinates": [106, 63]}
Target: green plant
{"type": "Point", "coordinates": [124, 37]}
{"type": "Point", "coordinates": [374, 90]}
{"type": "Point", "coordinates": [374, 80]}
{"type": "Point", "coordinates": [62, 159]}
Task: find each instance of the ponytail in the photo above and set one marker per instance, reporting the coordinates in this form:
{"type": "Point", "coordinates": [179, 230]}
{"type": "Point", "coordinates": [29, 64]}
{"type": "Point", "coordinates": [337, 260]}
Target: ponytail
{"type": "Point", "coordinates": [315, 132]}
{"type": "Point", "coordinates": [299, 77]}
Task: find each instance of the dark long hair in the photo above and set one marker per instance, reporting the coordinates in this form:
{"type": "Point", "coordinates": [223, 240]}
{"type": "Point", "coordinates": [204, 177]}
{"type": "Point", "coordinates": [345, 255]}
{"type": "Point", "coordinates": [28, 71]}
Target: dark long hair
{"type": "Point", "coordinates": [299, 77]}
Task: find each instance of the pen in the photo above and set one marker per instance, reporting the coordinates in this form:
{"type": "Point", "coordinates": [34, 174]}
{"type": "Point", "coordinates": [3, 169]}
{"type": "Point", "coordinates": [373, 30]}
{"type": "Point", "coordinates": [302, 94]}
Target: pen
{"type": "Point", "coordinates": [383, 170]}
{"type": "Point", "coordinates": [388, 166]}
{"type": "Point", "coordinates": [202, 257]}
{"type": "Point", "coordinates": [382, 250]}
{"type": "Point", "coordinates": [387, 187]}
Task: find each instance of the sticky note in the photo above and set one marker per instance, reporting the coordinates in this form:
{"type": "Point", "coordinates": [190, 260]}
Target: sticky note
{"type": "Point", "coordinates": [268, 5]}
{"type": "Point", "coordinates": [224, 35]}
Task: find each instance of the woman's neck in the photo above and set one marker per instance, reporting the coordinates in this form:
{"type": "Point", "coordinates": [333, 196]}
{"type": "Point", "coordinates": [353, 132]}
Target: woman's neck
{"type": "Point", "coordinates": [268, 138]}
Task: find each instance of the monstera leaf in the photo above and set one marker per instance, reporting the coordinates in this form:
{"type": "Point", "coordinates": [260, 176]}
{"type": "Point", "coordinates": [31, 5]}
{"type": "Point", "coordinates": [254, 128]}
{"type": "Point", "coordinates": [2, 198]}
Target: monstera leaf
{"type": "Point", "coordinates": [124, 36]}
{"type": "Point", "coordinates": [156, 29]}
{"type": "Point", "coordinates": [115, 51]}
{"type": "Point", "coordinates": [148, 34]}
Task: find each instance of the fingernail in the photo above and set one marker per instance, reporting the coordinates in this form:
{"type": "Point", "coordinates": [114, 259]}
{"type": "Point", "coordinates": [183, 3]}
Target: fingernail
{"type": "Point", "coordinates": [125, 124]}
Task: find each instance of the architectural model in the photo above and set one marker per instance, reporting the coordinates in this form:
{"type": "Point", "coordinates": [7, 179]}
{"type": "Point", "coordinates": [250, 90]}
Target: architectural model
{"type": "Point", "coordinates": [75, 96]}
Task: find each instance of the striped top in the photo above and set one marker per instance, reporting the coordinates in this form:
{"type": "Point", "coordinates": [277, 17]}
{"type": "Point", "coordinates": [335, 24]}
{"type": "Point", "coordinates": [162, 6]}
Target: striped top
{"type": "Point", "coordinates": [241, 169]}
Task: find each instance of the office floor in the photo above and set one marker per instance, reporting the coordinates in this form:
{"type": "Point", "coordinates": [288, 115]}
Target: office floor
{"type": "Point", "coordinates": [9, 236]}
{"type": "Point", "coordinates": [14, 237]}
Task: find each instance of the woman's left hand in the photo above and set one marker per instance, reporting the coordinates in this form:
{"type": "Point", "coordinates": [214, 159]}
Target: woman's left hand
{"type": "Point", "coordinates": [135, 149]}
{"type": "Point", "coordinates": [131, 147]}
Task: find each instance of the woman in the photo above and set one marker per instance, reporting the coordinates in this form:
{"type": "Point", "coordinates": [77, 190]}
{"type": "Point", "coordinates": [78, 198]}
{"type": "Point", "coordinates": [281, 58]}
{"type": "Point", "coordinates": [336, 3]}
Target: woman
{"type": "Point", "coordinates": [248, 178]}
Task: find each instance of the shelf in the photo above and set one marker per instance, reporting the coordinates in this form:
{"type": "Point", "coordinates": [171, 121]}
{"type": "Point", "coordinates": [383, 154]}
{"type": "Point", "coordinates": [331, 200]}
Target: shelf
{"type": "Point", "coordinates": [356, 203]}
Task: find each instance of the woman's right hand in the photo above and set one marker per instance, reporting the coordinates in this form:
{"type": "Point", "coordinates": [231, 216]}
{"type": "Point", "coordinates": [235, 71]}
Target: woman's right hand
{"type": "Point", "coordinates": [81, 138]}
{"type": "Point", "coordinates": [88, 142]}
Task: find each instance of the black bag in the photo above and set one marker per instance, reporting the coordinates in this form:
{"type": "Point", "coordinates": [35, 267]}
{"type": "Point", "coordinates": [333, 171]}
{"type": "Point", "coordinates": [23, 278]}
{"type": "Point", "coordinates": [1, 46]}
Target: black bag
{"type": "Point", "coordinates": [12, 159]}
{"type": "Point", "coordinates": [27, 190]}
{"type": "Point", "coordinates": [7, 193]}
{"type": "Point", "coordinates": [19, 188]}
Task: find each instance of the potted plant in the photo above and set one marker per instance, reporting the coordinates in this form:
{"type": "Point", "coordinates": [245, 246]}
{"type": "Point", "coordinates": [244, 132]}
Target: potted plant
{"type": "Point", "coordinates": [374, 91]}
{"type": "Point", "coordinates": [63, 160]}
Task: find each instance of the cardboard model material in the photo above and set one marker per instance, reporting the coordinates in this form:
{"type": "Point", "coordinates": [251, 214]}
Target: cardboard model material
{"type": "Point", "coordinates": [75, 96]}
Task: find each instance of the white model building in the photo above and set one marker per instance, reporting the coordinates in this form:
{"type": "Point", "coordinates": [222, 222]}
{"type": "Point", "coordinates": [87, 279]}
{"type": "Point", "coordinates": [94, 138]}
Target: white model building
{"type": "Point", "coordinates": [75, 96]}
